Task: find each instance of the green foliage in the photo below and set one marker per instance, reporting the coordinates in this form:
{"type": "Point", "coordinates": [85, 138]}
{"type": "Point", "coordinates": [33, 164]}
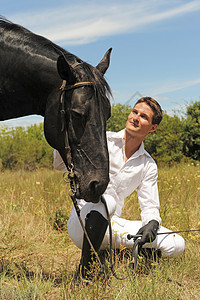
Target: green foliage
{"type": "Point", "coordinates": [61, 218]}
{"type": "Point", "coordinates": [165, 144]}
{"type": "Point", "coordinates": [175, 140]}
{"type": "Point", "coordinates": [119, 114]}
{"type": "Point", "coordinates": [24, 148]}
{"type": "Point", "coordinates": [191, 128]}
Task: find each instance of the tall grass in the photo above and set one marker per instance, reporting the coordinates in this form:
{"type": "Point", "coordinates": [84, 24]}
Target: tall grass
{"type": "Point", "coordinates": [39, 261]}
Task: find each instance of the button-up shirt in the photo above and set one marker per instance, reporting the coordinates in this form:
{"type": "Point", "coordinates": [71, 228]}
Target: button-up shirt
{"type": "Point", "coordinates": [139, 173]}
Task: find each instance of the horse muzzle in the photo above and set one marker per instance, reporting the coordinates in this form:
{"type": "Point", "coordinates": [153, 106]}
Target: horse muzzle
{"type": "Point", "coordinates": [92, 191]}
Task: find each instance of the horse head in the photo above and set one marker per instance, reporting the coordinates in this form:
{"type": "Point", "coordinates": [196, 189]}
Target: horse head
{"type": "Point", "coordinates": [85, 108]}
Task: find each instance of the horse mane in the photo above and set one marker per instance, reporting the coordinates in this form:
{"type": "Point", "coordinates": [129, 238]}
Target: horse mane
{"type": "Point", "coordinates": [23, 36]}
{"type": "Point", "coordinates": [41, 45]}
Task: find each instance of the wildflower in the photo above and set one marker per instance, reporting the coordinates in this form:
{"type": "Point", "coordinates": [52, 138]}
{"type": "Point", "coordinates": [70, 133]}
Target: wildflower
{"type": "Point", "coordinates": [123, 233]}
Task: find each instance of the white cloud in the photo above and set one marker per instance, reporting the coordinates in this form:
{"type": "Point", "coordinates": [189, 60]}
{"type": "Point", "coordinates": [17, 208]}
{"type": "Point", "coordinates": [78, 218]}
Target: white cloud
{"type": "Point", "coordinates": [168, 87]}
{"type": "Point", "coordinates": [80, 24]}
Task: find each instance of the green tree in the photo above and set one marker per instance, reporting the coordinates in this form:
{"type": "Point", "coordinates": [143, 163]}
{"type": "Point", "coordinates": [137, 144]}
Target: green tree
{"type": "Point", "coordinates": [191, 128]}
{"type": "Point", "coordinates": [24, 148]}
{"type": "Point", "coordinates": [165, 144]}
{"type": "Point", "coordinates": [119, 114]}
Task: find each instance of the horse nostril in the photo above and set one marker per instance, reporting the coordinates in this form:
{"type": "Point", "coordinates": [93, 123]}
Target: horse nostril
{"type": "Point", "coordinates": [96, 188]}
{"type": "Point", "coordinates": [93, 185]}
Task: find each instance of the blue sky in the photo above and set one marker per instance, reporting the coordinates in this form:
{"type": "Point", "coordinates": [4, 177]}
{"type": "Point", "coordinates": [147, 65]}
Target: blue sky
{"type": "Point", "coordinates": [155, 43]}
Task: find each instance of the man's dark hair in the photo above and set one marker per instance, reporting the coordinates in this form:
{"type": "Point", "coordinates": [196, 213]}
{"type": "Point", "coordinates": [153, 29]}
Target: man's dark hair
{"type": "Point", "coordinates": [155, 106]}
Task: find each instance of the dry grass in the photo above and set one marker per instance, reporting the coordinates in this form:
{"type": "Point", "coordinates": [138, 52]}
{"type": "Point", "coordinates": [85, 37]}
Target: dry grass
{"type": "Point", "coordinates": [39, 262]}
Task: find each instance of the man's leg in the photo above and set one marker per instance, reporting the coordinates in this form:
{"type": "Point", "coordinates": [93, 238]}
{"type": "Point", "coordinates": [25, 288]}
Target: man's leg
{"type": "Point", "coordinates": [169, 244]}
{"type": "Point", "coordinates": [94, 218]}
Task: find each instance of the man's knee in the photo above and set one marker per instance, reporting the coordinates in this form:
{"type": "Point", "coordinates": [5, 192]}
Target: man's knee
{"type": "Point", "coordinates": [111, 204]}
{"type": "Point", "coordinates": [179, 245]}
{"type": "Point", "coordinates": [174, 247]}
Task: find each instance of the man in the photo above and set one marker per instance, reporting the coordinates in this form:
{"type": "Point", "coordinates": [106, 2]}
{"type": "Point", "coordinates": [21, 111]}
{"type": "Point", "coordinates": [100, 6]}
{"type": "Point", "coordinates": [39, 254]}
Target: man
{"type": "Point", "coordinates": [131, 168]}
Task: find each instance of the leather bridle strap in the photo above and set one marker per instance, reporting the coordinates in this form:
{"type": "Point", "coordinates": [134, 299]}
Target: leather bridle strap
{"type": "Point", "coordinates": [77, 85]}
{"type": "Point", "coordinates": [63, 89]}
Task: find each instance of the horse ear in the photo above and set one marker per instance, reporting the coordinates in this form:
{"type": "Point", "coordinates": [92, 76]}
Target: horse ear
{"type": "Point", "coordinates": [65, 71]}
{"type": "Point", "coordinates": [104, 63]}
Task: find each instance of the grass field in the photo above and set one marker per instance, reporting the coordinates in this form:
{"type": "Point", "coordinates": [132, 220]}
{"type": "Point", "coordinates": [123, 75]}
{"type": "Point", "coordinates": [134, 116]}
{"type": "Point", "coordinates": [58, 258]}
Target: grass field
{"type": "Point", "coordinates": [39, 261]}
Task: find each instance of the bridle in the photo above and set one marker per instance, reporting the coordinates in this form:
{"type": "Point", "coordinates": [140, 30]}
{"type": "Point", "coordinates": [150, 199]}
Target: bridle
{"type": "Point", "coordinates": [71, 177]}
{"type": "Point", "coordinates": [64, 88]}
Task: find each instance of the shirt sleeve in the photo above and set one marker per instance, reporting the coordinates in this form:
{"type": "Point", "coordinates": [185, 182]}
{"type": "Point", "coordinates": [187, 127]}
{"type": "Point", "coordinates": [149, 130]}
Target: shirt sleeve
{"type": "Point", "coordinates": [148, 195]}
{"type": "Point", "coordinates": [58, 163]}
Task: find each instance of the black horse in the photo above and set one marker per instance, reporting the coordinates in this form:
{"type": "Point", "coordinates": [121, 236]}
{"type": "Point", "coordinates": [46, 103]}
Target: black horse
{"type": "Point", "coordinates": [32, 69]}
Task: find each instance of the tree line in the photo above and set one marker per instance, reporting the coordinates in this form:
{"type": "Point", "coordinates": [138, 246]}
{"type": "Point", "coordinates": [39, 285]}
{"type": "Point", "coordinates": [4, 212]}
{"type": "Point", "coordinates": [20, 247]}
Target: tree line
{"type": "Point", "coordinates": [176, 139]}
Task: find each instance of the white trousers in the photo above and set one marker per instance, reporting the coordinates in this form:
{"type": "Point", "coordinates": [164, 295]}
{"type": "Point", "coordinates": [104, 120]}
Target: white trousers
{"type": "Point", "coordinates": [169, 244]}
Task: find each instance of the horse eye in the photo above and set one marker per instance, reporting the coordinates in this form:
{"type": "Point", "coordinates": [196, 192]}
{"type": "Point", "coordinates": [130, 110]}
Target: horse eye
{"type": "Point", "coordinates": [76, 114]}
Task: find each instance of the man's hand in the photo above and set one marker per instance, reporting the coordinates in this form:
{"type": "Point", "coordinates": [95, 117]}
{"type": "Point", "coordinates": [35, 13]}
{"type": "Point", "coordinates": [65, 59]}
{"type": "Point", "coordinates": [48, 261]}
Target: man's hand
{"type": "Point", "coordinates": [148, 232]}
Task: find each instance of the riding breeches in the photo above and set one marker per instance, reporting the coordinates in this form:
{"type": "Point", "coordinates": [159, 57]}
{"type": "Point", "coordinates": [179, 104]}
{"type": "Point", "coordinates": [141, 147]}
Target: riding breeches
{"type": "Point", "coordinates": [169, 244]}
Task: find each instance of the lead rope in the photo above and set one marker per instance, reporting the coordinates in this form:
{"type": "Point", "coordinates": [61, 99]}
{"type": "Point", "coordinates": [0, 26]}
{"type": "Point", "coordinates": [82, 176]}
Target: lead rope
{"type": "Point", "coordinates": [72, 194]}
{"type": "Point", "coordinates": [72, 178]}
{"type": "Point", "coordinates": [70, 167]}
{"type": "Point", "coordinates": [136, 248]}
{"type": "Point", "coordinates": [110, 238]}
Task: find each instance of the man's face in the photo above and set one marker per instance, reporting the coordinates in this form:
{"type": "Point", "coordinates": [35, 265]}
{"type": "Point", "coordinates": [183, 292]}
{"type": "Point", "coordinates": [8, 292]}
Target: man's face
{"type": "Point", "coordinates": [139, 122]}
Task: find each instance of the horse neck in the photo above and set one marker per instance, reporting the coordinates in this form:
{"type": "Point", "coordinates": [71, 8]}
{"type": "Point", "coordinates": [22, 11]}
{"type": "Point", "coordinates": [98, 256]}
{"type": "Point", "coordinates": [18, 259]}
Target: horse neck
{"type": "Point", "coordinates": [27, 84]}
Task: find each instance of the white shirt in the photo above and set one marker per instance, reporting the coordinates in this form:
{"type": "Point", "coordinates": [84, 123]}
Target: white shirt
{"type": "Point", "coordinates": [138, 172]}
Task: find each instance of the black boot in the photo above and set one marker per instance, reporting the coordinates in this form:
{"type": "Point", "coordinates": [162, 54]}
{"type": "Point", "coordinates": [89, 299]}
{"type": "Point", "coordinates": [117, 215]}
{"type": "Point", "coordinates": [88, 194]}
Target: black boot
{"type": "Point", "coordinates": [95, 225]}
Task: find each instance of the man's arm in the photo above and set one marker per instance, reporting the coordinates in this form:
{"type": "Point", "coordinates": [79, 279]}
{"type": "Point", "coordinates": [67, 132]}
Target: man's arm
{"type": "Point", "coordinates": [149, 204]}
{"type": "Point", "coordinates": [148, 195]}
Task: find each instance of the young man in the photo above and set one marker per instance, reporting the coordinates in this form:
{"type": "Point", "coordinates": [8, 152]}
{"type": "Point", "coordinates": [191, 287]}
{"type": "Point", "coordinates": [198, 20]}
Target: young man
{"type": "Point", "coordinates": [131, 168]}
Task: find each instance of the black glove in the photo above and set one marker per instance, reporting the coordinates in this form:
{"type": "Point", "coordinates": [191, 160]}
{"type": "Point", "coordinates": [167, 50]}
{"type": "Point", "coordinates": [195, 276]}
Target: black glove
{"type": "Point", "coordinates": [148, 232]}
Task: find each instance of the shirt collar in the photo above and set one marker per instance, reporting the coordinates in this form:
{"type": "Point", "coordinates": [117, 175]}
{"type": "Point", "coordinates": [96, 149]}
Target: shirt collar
{"type": "Point", "coordinates": [120, 136]}
{"type": "Point", "coordinates": [116, 135]}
